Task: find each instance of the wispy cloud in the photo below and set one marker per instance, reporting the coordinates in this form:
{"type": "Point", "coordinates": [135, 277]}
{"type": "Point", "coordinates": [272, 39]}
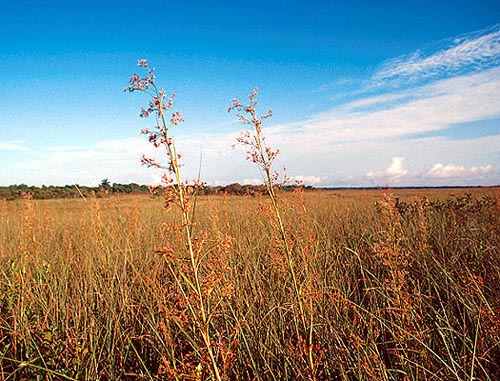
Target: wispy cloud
{"type": "Point", "coordinates": [432, 107]}
{"type": "Point", "coordinates": [66, 148]}
{"type": "Point", "coordinates": [472, 52]}
{"type": "Point", "coordinates": [12, 146]}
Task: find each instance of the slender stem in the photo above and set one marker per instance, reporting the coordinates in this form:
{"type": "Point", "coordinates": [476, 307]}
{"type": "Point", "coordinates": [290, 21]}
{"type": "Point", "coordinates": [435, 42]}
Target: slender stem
{"type": "Point", "coordinates": [281, 228]}
{"type": "Point", "coordinates": [186, 223]}
{"type": "Point", "coordinates": [265, 164]}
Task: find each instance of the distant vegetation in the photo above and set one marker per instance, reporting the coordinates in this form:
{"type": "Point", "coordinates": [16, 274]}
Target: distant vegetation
{"type": "Point", "coordinates": [13, 192]}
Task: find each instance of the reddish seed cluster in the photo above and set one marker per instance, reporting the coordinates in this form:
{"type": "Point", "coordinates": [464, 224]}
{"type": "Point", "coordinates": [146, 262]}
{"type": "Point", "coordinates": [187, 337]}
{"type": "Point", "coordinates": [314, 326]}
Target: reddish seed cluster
{"type": "Point", "coordinates": [258, 152]}
{"type": "Point", "coordinates": [139, 83]}
{"type": "Point", "coordinates": [150, 162]}
{"type": "Point", "coordinates": [159, 104]}
{"type": "Point", "coordinates": [143, 63]}
{"type": "Point", "coordinates": [176, 118]}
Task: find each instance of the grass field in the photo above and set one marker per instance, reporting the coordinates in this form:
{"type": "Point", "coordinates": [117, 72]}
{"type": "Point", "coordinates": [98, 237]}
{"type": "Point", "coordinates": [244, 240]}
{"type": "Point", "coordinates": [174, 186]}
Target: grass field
{"type": "Point", "coordinates": [387, 285]}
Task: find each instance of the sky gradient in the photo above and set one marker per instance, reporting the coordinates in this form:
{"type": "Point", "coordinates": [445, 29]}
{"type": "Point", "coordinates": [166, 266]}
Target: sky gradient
{"type": "Point", "coordinates": [363, 93]}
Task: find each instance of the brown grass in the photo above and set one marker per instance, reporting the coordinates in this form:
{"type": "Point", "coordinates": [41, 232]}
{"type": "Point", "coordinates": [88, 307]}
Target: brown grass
{"type": "Point", "coordinates": [404, 290]}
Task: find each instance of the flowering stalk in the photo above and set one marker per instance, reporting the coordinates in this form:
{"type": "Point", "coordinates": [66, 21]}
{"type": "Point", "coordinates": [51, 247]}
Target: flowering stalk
{"type": "Point", "coordinates": [159, 105]}
{"type": "Point", "coordinates": [263, 156]}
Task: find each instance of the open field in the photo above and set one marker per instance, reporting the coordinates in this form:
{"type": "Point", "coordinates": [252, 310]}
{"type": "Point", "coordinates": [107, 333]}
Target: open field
{"type": "Point", "coordinates": [99, 289]}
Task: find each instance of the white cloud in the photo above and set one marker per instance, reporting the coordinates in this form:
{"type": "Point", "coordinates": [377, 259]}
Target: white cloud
{"type": "Point", "coordinates": [254, 181]}
{"type": "Point", "coordinates": [396, 169]}
{"type": "Point", "coordinates": [392, 174]}
{"type": "Point", "coordinates": [12, 146]}
{"type": "Point", "coordinates": [308, 180]}
{"type": "Point", "coordinates": [486, 169]}
{"type": "Point", "coordinates": [65, 148]}
{"type": "Point", "coordinates": [377, 102]}
{"type": "Point", "coordinates": [339, 165]}
{"type": "Point", "coordinates": [474, 51]}
{"type": "Point", "coordinates": [450, 171]}
{"type": "Point", "coordinates": [439, 174]}
{"type": "Point", "coordinates": [118, 160]}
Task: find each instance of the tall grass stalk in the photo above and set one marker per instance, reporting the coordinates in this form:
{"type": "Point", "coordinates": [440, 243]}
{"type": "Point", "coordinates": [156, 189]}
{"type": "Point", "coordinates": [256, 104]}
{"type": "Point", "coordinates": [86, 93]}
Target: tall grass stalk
{"type": "Point", "coordinates": [177, 192]}
{"type": "Point", "coordinates": [263, 156]}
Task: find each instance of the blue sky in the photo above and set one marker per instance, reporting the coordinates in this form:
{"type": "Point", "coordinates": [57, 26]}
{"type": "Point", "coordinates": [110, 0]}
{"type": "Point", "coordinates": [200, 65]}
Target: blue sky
{"type": "Point", "coordinates": [363, 93]}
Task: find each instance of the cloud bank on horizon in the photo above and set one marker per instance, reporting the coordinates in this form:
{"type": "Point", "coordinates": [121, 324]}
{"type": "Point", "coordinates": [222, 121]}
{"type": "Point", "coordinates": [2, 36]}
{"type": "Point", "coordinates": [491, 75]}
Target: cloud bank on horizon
{"type": "Point", "coordinates": [431, 117]}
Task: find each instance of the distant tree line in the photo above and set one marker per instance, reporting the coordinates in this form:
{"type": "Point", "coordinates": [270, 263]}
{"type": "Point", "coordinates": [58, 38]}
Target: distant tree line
{"type": "Point", "coordinates": [44, 192]}
{"type": "Point", "coordinates": [105, 188]}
